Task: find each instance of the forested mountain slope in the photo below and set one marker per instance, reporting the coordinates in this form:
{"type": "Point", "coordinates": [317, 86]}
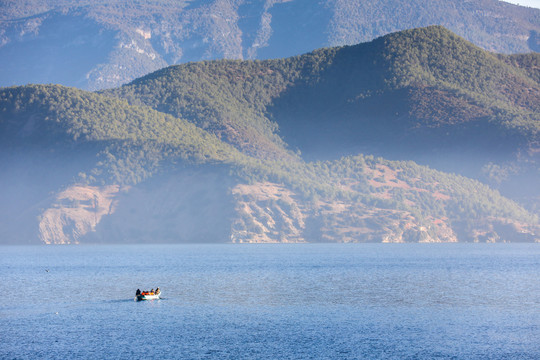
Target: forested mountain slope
{"type": "Point", "coordinates": [423, 94]}
{"type": "Point", "coordinates": [95, 44]}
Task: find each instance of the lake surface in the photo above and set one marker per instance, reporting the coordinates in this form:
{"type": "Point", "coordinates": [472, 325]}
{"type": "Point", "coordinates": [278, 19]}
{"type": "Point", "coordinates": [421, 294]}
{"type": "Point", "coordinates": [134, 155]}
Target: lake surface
{"type": "Point", "coordinates": [302, 301]}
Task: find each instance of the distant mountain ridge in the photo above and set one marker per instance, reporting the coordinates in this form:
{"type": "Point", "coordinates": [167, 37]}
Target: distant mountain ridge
{"type": "Point", "coordinates": [206, 152]}
{"type": "Point", "coordinates": [103, 44]}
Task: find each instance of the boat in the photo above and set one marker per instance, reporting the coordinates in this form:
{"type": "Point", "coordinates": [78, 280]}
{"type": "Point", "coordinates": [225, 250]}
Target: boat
{"type": "Point", "coordinates": [147, 295]}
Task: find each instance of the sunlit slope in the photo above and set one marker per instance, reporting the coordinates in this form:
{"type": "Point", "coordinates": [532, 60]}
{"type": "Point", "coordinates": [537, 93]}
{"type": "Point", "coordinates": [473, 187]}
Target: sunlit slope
{"type": "Point", "coordinates": [226, 98]}
{"type": "Point", "coordinates": [55, 116]}
{"type": "Point", "coordinates": [83, 167]}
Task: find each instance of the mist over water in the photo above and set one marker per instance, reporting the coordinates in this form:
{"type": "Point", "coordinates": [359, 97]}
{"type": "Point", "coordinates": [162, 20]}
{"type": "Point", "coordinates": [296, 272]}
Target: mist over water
{"type": "Point", "coordinates": [321, 301]}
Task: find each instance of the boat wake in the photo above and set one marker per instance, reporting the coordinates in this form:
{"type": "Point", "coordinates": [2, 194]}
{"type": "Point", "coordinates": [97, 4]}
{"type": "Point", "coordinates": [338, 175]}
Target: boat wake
{"type": "Point", "coordinates": [116, 301]}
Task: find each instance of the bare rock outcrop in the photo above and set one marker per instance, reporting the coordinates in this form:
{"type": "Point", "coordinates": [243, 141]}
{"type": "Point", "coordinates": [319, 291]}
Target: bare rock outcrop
{"type": "Point", "coordinates": [75, 212]}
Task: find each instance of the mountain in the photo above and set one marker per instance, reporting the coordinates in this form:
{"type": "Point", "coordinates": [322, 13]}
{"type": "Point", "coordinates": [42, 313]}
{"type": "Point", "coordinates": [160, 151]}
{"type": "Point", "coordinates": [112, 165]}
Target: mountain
{"type": "Point", "coordinates": [201, 151]}
{"type": "Point", "coordinates": [423, 94]}
{"type": "Point", "coordinates": [105, 43]}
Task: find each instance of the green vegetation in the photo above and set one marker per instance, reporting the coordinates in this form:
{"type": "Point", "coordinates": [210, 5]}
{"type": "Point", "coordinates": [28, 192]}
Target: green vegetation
{"type": "Point", "coordinates": [135, 139]}
{"type": "Point", "coordinates": [226, 98]}
{"type": "Point", "coordinates": [435, 57]}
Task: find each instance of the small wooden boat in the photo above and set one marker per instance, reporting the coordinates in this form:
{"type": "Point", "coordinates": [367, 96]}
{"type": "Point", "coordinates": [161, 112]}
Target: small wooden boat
{"type": "Point", "coordinates": [148, 295]}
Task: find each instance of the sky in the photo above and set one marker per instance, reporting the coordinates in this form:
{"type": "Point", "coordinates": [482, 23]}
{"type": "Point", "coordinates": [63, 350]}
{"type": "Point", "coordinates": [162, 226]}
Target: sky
{"type": "Point", "coordinates": [531, 3]}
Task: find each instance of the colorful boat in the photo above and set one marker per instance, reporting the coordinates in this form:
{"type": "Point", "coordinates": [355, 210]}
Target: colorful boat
{"type": "Point", "coordinates": [148, 295]}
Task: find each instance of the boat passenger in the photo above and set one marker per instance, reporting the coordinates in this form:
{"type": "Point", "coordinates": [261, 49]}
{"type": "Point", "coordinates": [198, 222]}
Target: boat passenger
{"type": "Point", "coordinates": [138, 292]}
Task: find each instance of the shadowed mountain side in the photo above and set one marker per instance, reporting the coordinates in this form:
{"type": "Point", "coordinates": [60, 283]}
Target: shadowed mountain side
{"type": "Point", "coordinates": [384, 125]}
{"type": "Point", "coordinates": [29, 182]}
{"type": "Point", "coordinates": [411, 82]}
{"type": "Point", "coordinates": [185, 205]}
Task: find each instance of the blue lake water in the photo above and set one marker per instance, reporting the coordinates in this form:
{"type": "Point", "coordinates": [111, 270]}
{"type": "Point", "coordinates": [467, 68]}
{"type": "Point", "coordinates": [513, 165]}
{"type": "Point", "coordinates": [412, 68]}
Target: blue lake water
{"type": "Point", "coordinates": [308, 301]}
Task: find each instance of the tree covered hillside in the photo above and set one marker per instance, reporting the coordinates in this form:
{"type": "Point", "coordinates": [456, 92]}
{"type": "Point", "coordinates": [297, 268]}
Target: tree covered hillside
{"type": "Point", "coordinates": [424, 94]}
{"type": "Point", "coordinates": [105, 43]}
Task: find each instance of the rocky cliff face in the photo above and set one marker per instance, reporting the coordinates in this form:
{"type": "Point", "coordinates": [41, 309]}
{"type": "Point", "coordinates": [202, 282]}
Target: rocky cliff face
{"type": "Point", "coordinates": [268, 212]}
{"type": "Point", "coordinates": [76, 212]}
{"type": "Point", "coordinates": [190, 208]}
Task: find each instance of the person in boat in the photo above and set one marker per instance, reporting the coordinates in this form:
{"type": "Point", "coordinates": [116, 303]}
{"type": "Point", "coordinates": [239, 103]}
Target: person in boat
{"type": "Point", "coordinates": [138, 292]}
{"type": "Point", "coordinates": [157, 291]}
{"type": "Point", "coordinates": [152, 292]}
